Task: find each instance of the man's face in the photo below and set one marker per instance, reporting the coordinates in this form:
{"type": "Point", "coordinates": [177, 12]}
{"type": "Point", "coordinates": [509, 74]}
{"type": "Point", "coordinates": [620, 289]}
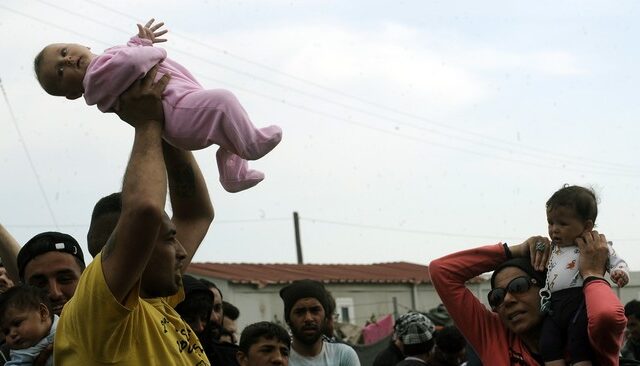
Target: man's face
{"type": "Point", "coordinates": [216, 314]}
{"type": "Point", "coordinates": [633, 328]}
{"type": "Point", "coordinates": [307, 320]}
{"type": "Point", "coordinates": [231, 328]}
{"type": "Point", "coordinates": [57, 273]}
{"type": "Point", "coordinates": [163, 275]}
{"type": "Point", "coordinates": [265, 352]}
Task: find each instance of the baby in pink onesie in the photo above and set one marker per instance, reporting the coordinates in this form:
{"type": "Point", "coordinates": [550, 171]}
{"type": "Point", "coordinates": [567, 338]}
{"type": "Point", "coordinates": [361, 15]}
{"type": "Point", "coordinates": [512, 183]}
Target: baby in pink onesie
{"type": "Point", "coordinates": [194, 117]}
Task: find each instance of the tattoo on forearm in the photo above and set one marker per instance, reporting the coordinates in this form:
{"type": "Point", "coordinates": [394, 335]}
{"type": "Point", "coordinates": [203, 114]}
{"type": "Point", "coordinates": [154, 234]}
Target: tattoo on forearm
{"type": "Point", "coordinates": [182, 181]}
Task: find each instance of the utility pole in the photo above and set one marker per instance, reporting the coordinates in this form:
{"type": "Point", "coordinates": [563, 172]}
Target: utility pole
{"type": "Point", "coordinates": [296, 225]}
{"type": "Point", "coordinates": [395, 307]}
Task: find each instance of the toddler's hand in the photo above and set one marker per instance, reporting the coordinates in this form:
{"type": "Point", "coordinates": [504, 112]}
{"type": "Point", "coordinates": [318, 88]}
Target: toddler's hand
{"type": "Point", "coordinates": [150, 31]}
{"type": "Point", "coordinates": [620, 278]}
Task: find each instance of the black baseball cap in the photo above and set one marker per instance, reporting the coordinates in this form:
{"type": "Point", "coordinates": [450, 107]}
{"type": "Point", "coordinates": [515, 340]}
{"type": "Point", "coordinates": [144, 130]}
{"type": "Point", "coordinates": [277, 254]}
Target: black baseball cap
{"type": "Point", "coordinates": [50, 241]}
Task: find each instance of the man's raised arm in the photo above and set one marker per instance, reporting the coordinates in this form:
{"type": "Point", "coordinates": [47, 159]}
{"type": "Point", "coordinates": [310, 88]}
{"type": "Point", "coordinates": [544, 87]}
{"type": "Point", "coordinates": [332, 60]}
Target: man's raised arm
{"type": "Point", "coordinates": [144, 189]}
{"type": "Point", "coordinates": [192, 207]}
{"type": "Point", "coordinates": [9, 249]}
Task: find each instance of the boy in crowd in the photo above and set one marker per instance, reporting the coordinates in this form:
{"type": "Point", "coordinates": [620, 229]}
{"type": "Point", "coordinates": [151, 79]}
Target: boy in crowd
{"type": "Point", "coordinates": [264, 344]}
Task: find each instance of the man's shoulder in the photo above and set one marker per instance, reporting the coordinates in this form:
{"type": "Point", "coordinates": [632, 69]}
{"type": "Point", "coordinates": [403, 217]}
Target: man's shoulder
{"type": "Point", "coordinates": [341, 352]}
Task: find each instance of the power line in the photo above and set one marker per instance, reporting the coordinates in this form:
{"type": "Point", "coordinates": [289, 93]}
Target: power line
{"type": "Point", "coordinates": [631, 171]}
{"type": "Point", "coordinates": [428, 232]}
{"type": "Point", "coordinates": [409, 231]}
{"type": "Point", "coordinates": [29, 159]}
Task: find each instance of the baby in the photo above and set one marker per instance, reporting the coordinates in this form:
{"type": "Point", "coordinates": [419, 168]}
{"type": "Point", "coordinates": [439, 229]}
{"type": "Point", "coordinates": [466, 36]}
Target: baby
{"type": "Point", "coordinates": [194, 117]}
{"type": "Point", "coordinates": [571, 211]}
{"type": "Point", "coordinates": [27, 324]}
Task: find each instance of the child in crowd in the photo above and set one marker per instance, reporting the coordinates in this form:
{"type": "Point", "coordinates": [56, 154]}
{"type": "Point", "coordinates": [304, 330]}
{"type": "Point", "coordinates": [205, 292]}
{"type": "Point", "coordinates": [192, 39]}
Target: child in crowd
{"type": "Point", "coordinates": [571, 211]}
{"type": "Point", "coordinates": [264, 343]}
{"type": "Point", "coordinates": [194, 117]}
{"type": "Point", "coordinates": [27, 323]}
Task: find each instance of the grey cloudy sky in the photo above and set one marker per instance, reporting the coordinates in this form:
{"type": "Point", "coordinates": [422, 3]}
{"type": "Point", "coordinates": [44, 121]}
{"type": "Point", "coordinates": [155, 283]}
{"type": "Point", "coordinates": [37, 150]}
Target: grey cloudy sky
{"type": "Point", "coordinates": [411, 128]}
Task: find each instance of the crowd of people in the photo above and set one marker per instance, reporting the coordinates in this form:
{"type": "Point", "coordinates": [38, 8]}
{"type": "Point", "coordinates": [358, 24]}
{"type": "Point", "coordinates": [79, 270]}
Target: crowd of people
{"type": "Point", "coordinates": [134, 305]}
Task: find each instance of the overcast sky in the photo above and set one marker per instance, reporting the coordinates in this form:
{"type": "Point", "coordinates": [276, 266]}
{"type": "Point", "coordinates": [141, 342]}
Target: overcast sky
{"type": "Point", "coordinates": [412, 129]}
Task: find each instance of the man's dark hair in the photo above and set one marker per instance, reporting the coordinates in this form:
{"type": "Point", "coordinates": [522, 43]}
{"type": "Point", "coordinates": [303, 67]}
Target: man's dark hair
{"type": "Point", "coordinates": [449, 340]}
{"type": "Point", "coordinates": [230, 311]}
{"type": "Point", "coordinates": [252, 334]}
{"type": "Point", "coordinates": [211, 285]}
{"type": "Point", "coordinates": [97, 238]}
{"type": "Point", "coordinates": [582, 200]}
{"type": "Point", "coordinates": [24, 297]}
{"type": "Point", "coordinates": [632, 308]}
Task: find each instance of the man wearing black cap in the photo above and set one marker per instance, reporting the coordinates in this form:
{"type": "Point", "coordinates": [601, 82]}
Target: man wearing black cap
{"type": "Point", "coordinates": [52, 261]}
{"type": "Point", "coordinates": [305, 302]}
{"type": "Point", "coordinates": [123, 310]}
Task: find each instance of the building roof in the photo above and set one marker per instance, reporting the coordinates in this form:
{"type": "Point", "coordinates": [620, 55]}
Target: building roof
{"type": "Point", "coordinates": [272, 274]}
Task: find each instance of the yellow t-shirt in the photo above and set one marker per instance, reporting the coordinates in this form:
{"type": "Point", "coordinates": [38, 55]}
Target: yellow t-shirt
{"type": "Point", "coordinates": [95, 329]}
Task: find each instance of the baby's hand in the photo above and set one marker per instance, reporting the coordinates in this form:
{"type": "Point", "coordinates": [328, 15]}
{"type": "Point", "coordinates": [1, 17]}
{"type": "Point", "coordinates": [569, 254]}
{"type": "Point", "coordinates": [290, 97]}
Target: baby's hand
{"type": "Point", "coordinates": [150, 31]}
{"type": "Point", "coordinates": [621, 278]}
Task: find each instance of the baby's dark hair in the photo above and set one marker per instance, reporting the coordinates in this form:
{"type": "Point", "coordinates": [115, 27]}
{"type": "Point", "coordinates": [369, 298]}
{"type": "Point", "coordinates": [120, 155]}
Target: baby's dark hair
{"type": "Point", "coordinates": [252, 334]}
{"type": "Point", "coordinates": [24, 297]}
{"type": "Point", "coordinates": [580, 199]}
{"type": "Point", "coordinates": [37, 61]}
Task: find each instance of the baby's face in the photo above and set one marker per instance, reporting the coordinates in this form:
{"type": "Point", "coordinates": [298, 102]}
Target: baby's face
{"type": "Point", "coordinates": [25, 328]}
{"type": "Point", "coordinates": [62, 69]}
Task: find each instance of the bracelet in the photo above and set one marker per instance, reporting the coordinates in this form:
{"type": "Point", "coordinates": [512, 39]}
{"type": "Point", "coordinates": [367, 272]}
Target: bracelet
{"type": "Point", "coordinates": [594, 278]}
{"type": "Point", "coordinates": [507, 251]}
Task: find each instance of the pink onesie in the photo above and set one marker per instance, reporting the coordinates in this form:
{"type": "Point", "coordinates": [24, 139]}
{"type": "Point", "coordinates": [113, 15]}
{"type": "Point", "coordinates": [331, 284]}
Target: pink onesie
{"type": "Point", "coordinates": [194, 117]}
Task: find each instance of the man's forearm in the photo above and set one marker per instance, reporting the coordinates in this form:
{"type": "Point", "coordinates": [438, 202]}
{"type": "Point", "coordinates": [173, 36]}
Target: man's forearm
{"type": "Point", "coordinates": [187, 187]}
{"type": "Point", "coordinates": [145, 179]}
{"type": "Point", "coordinates": [192, 207]}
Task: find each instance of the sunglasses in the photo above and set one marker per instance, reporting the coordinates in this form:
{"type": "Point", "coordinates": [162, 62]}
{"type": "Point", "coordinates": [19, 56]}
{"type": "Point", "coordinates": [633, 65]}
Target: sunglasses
{"type": "Point", "coordinates": [517, 285]}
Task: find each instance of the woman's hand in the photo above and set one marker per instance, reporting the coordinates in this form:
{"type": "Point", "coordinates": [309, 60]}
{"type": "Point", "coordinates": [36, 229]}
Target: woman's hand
{"type": "Point", "coordinates": [538, 248]}
{"type": "Point", "coordinates": [594, 253]}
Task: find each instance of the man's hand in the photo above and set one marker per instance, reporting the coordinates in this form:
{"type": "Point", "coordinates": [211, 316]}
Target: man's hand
{"type": "Point", "coordinates": [142, 101]}
{"type": "Point", "coordinates": [5, 281]}
{"type": "Point", "coordinates": [150, 31]}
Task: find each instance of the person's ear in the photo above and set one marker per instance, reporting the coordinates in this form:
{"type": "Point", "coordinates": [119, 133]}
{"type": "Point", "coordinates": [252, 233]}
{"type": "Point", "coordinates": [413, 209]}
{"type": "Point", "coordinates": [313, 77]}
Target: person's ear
{"type": "Point", "coordinates": [588, 225]}
{"type": "Point", "coordinates": [241, 358]}
{"type": "Point", "coordinates": [44, 312]}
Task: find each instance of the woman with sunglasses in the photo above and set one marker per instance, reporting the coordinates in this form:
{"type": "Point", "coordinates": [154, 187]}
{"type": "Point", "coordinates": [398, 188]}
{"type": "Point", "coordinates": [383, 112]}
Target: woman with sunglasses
{"type": "Point", "coordinates": [508, 333]}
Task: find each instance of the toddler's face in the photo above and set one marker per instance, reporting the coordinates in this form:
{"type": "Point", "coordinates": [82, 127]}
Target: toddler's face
{"type": "Point", "coordinates": [25, 328]}
{"type": "Point", "coordinates": [62, 69]}
{"type": "Point", "coordinates": [565, 226]}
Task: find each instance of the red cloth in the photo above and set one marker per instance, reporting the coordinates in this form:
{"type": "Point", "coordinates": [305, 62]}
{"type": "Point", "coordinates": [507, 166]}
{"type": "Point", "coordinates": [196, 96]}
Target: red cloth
{"type": "Point", "coordinates": [378, 330]}
{"type": "Point", "coordinates": [492, 341]}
